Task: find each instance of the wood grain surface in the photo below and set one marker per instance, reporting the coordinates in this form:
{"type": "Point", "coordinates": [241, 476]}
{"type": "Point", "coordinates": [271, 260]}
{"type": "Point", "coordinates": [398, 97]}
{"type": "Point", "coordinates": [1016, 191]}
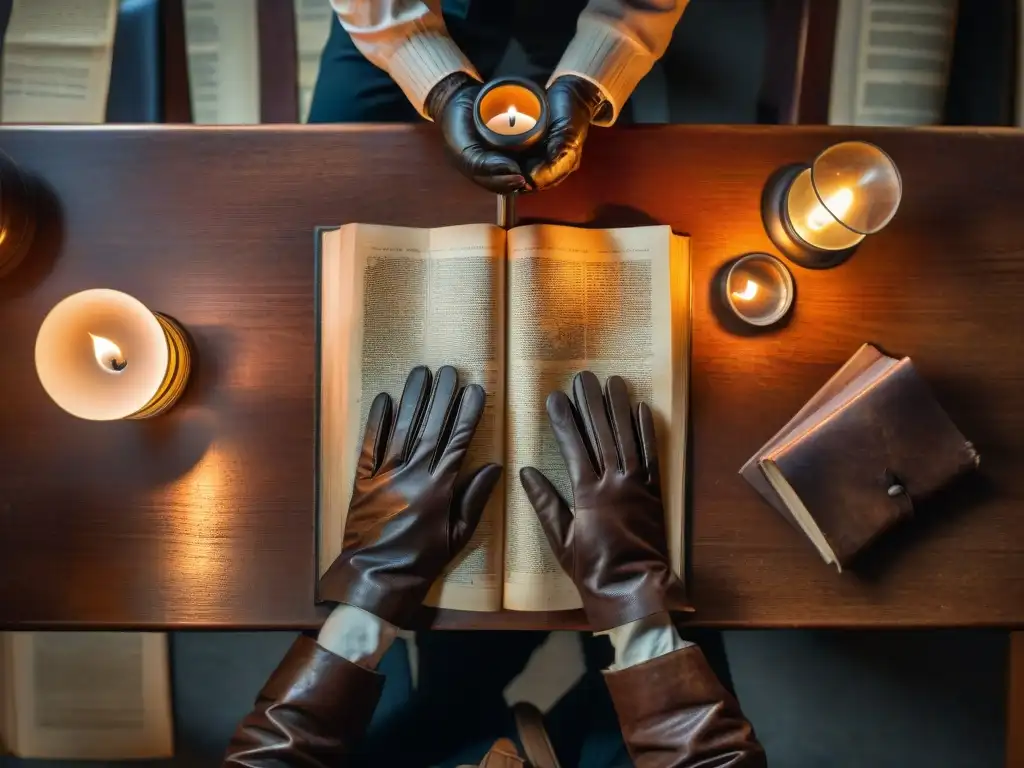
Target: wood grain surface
{"type": "Point", "coordinates": [204, 518]}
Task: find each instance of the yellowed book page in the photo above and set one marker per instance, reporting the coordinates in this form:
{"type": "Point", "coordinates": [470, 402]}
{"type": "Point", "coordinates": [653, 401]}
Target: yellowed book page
{"type": "Point", "coordinates": [56, 61]}
{"type": "Point", "coordinates": [92, 695]}
{"type": "Point", "coordinates": [222, 42]}
{"type": "Point", "coordinates": [393, 298]}
{"type": "Point", "coordinates": [613, 302]}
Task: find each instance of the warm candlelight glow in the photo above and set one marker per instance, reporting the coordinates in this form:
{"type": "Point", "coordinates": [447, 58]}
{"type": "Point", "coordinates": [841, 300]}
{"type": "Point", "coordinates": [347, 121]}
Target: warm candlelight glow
{"type": "Point", "coordinates": [108, 354]}
{"type": "Point", "coordinates": [820, 220]}
{"type": "Point", "coordinates": [835, 207]}
{"type": "Point", "coordinates": [766, 289]}
{"type": "Point", "coordinates": [510, 113]}
{"type": "Point", "coordinates": [511, 122]}
{"type": "Point", "coordinates": [748, 292]}
{"type": "Point", "coordinates": [136, 366]}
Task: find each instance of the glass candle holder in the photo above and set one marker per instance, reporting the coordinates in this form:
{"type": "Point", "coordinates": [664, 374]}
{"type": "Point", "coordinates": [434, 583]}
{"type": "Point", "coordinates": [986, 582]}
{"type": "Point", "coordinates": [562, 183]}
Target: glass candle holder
{"type": "Point", "coordinates": [511, 113]}
{"type": "Point", "coordinates": [102, 355]}
{"type": "Point", "coordinates": [817, 214]}
{"type": "Point", "coordinates": [758, 289]}
{"type": "Point", "coordinates": [18, 214]}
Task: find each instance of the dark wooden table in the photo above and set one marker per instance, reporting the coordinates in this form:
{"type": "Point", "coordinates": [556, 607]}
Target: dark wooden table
{"type": "Point", "coordinates": [204, 518]}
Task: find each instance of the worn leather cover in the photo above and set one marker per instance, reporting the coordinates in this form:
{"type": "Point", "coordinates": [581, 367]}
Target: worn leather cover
{"type": "Point", "coordinates": [845, 466]}
{"type": "Point", "coordinates": [854, 368]}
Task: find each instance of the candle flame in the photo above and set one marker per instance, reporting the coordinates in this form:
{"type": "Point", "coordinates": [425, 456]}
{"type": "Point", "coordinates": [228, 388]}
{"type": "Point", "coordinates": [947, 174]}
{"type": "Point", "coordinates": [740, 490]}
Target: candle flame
{"type": "Point", "coordinates": [835, 207]}
{"type": "Point", "coordinates": [511, 115]}
{"type": "Point", "coordinates": [748, 292]}
{"type": "Point", "coordinates": [108, 354]}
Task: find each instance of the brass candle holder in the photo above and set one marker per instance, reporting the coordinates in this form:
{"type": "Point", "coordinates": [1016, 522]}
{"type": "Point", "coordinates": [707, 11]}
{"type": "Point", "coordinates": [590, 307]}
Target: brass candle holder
{"type": "Point", "coordinates": [103, 355]}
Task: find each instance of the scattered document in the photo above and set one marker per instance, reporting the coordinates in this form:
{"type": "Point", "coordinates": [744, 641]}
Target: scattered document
{"type": "Point", "coordinates": [222, 38]}
{"type": "Point", "coordinates": [891, 62]}
{"type": "Point", "coordinates": [56, 61]}
{"type": "Point", "coordinates": [313, 19]}
{"type": "Point", "coordinates": [85, 695]}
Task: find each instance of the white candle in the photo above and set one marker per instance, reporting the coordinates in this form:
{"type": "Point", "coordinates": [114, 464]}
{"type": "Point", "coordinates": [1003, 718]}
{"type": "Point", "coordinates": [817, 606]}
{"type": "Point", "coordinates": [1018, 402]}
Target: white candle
{"type": "Point", "coordinates": [818, 224]}
{"type": "Point", "coordinates": [102, 355]}
{"type": "Point", "coordinates": [511, 122]}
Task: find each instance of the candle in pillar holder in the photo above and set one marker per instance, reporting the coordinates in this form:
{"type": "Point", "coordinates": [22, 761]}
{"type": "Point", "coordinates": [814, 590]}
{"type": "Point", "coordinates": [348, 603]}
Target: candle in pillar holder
{"type": "Point", "coordinates": [102, 355]}
{"type": "Point", "coordinates": [511, 113]}
{"type": "Point", "coordinates": [818, 214]}
{"type": "Point", "coordinates": [758, 289]}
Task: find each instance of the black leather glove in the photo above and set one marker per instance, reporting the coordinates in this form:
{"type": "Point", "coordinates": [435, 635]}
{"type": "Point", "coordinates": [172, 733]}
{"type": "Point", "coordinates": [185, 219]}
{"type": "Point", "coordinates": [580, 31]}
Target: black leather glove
{"type": "Point", "coordinates": [572, 104]}
{"type": "Point", "coordinates": [408, 518]}
{"type": "Point", "coordinates": [450, 105]}
{"type": "Point", "coordinates": [613, 542]}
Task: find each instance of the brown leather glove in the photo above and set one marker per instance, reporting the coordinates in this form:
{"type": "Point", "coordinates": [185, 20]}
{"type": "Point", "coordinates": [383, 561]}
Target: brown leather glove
{"type": "Point", "coordinates": [613, 543]}
{"type": "Point", "coordinates": [408, 517]}
{"type": "Point", "coordinates": [450, 106]}
{"type": "Point", "coordinates": [573, 103]}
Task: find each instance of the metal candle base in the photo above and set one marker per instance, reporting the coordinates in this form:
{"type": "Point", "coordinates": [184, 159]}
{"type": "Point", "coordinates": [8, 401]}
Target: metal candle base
{"type": "Point", "coordinates": [506, 214]}
{"type": "Point", "coordinates": [780, 231]}
{"type": "Point", "coordinates": [179, 365]}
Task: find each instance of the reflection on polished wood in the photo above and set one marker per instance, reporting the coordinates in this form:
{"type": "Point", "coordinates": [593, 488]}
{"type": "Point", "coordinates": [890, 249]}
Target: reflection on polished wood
{"type": "Point", "coordinates": [204, 516]}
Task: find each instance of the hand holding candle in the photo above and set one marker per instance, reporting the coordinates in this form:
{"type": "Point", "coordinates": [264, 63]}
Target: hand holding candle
{"type": "Point", "coordinates": [511, 113]}
{"type": "Point", "coordinates": [574, 104]}
{"type": "Point", "coordinates": [451, 105]}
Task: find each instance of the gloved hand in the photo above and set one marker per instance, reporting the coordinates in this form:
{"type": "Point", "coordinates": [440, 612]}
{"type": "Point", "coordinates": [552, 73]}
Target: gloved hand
{"type": "Point", "coordinates": [572, 103]}
{"type": "Point", "coordinates": [450, 106]}
{"type": "Point", "coordinates": [408, 517]}
{"type": "Point", "coordinates": [613, 542]}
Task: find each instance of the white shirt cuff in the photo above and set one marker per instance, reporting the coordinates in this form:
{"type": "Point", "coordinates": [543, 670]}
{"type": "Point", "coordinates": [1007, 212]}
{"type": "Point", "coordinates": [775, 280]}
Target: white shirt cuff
{"type": "Point", "coordinates": [356, 635]}
{"type": "Point", "coordinates": [422, 60]}
{"type": "Point", "coordinates": [608, 57]}
{"type": "Point", "coordinates": [643, 640]}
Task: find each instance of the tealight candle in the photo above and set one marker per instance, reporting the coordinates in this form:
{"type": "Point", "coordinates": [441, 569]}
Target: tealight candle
{"type": "Point", "coordinates": [758, 289]}
{"type": "Point", "coordinates": [511, 113]}
{"type": "Point", "coordinates": [511, 122]}
{"type": "Point", "coordinates": [102, 355]}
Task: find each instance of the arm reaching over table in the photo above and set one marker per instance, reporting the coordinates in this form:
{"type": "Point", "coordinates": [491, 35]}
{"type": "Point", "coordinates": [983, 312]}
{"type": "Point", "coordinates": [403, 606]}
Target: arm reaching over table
{"type": "Point", "coordinates": [672, 708]}
{"type": "Point", "coordinates": [408, 40]}
{"type": "Point", "coordinates": [410, 515]}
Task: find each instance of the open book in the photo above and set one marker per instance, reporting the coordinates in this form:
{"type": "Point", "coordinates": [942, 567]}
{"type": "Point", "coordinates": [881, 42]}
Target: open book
{"type": "Point", "coordinates": [85, 695]}
{"type": "Point", "coordinates": [518, 312]}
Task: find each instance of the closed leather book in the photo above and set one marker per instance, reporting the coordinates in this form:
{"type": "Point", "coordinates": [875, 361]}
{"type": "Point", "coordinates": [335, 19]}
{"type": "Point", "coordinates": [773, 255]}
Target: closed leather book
{"type": "Point", "coordinates": [870, 453]}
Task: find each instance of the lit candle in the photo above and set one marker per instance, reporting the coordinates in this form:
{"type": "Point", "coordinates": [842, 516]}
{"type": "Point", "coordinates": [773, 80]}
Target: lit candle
{"type": "Point", "coordinates": [511, 122]}
{"type": "Point", "coordinates": [511, 113]}
{"type": "Point", "coordinates": [817, 214]}
{"type": "Point", "coordinates": [819, 223]}
{"type": "Point", "coordinates": [102, 355]}
{"type": "Point", "coordinates": [759, 289]}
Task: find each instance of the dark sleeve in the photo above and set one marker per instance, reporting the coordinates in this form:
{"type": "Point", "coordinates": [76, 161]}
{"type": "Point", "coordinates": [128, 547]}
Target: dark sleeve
{"type": "Point", "coordinates": [674, 712]}
{"type": "Point", "coordinates": [312, 712]}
